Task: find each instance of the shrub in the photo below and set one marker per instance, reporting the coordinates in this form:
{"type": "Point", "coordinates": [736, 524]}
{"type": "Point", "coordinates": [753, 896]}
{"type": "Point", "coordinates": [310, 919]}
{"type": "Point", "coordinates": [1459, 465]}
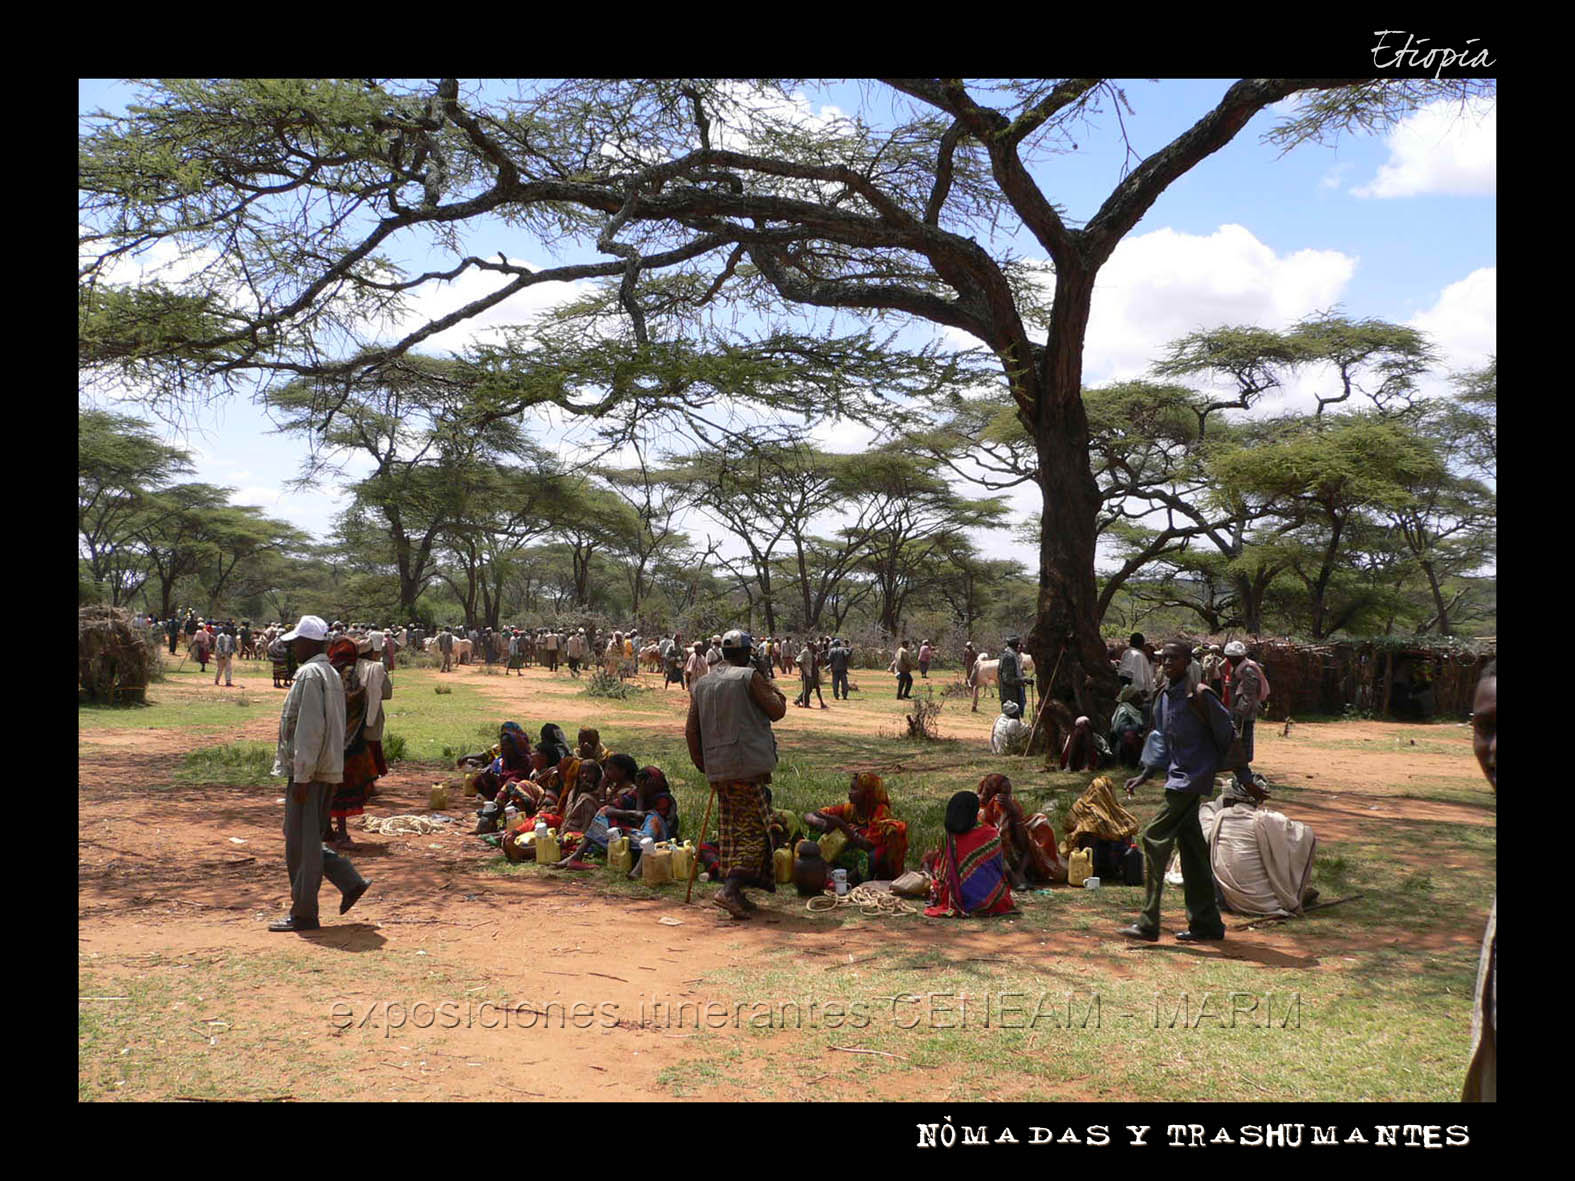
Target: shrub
{"type": "Point", "coordinates": [394, 747]}
{"type": "Point", "coordinates": [926, 713]}
{"type": "Point", "coordinates": [601, 685]}
{"type": "Point", "coordinates": [441, 690]}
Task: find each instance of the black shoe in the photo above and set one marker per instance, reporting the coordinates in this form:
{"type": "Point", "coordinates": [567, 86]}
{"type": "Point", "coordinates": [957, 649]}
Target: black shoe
{"type": "Point", "coordinates": [1136, 931]}
{"type": "Point", "coordinates": [353, 897]}
{"type": "Point", "coordinates": [1197, 937]}
{"type": "Point", "coordinates": [291, 923]}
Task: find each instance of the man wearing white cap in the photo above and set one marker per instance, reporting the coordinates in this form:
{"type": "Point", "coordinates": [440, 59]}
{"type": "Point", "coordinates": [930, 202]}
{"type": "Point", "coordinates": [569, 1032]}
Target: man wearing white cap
{"type": "Point", "coordinates": [1249, 688]}
{"type": "Point", "coordinates": [311, 753]}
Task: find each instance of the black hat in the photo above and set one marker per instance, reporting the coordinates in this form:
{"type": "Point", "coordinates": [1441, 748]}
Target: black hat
{"type": "Point", "coordinates": [962, 813]}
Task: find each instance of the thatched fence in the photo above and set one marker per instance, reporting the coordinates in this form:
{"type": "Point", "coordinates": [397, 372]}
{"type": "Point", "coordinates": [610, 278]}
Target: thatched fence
{"type": "Point", "coordinates": [115, 661]}
{"type": "Point", "coordinates": [1406, 678]}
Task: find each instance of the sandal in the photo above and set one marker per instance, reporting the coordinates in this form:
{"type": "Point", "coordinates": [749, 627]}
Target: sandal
{"type": "Point", "coordinates": [733, 908]}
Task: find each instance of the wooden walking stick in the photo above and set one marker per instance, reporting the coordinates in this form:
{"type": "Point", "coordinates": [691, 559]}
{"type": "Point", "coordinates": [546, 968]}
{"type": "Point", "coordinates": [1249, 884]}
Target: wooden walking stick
{"type": "Point", "coordinates": [1039, 702]}
{"type": "Point", "coordinates": [694, 862]}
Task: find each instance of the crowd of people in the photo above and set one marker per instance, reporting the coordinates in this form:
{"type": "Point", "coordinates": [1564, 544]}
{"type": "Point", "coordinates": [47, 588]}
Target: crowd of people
{"type": "Point", "coordinates": [330, 748]}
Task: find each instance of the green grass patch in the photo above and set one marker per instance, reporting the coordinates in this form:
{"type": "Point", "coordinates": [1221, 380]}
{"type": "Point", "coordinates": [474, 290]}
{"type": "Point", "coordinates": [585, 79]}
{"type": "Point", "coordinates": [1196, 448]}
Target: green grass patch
{"type": "Point", "coordinates": [223, 710]}
{"type": "Point", "coordinates": [242, 764]}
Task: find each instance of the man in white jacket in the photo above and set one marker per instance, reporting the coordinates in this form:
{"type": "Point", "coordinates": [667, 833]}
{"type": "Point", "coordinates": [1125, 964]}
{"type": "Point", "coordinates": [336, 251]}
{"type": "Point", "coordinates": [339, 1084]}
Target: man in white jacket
{"type": "Point", "coordinates": [311, 753]}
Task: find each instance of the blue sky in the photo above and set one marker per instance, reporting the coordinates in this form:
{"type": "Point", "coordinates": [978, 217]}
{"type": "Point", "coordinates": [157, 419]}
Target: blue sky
{"type": "Point", "coordinates": [1400, 227]}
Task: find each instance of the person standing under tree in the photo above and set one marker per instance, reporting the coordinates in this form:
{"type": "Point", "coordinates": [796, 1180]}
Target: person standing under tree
{"type": "Point", "coordinates": [311, 753]}
{"type": "Point", "coordinates": [1009, 675]}
{"type": "Point", "coordinates": [1250, 687]}
{"type": "Point", "coordinates": [1481, 1084]}
{"type": "Point", "coordinates": [902, 665]}
{"type": "Point", "coordinates": [445, 643]}
{"type": "Point", "coordinates": [1191, 728]}
{"type": "Point", "coordinates": [1136, 669]}
{"type": "Point", "coordinates": [809, 674]}
{"type": "Point", "coordinates": [837, 658]}
{"type": "Point", "coordinates": [223, 655]}
{"type": "Point", "coordinates": [728, 730]}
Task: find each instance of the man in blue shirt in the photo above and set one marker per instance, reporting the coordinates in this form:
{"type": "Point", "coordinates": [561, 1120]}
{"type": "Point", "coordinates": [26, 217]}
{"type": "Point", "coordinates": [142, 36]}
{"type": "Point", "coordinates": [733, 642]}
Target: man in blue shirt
{"type": "Point", "coordinates": [1191, 731]}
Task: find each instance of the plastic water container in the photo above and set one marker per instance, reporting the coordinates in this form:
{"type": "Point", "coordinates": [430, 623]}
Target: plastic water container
{"type": "Point", "coordinates": [437, 800]}
{"type": "Point", "coordinates": [839, 878]}
{"type": "Point", "coordinates": [619, 856]}
{"type": "Point", "coordinates": [782, 865]}
{"type": "Point", "coordinates": [1079, 866]}
{"type": "Point", "coordinates": [547, 845]}
{"type": "Point", "coordinates": [509, 815]}
{"type": "Point", "coordinates": [541, 829]}
{"type": "Point", "coordinates": [656, 864]}
{"type": "Point", "coordinates": [683, 860]}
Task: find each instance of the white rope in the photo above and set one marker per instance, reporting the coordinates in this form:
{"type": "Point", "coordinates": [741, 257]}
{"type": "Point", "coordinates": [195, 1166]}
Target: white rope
{"type": "Point", "coordinates": [391, 825]}
{"type": "Point", "coordinates": [870, 901]}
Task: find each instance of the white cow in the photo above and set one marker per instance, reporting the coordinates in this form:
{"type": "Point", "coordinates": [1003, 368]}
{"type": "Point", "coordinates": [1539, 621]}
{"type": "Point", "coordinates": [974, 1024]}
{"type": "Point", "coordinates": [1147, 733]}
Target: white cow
{"type": "Point", "coordinates": [985, 673]}
{"type": "Point", "coordinates": [462, 650]}
{"type": "Point", "coordinates": [651, 657]}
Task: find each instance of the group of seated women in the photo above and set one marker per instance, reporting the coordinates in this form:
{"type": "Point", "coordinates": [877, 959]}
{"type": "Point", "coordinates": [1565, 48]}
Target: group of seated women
{"type": "Point", "coordinates": [591, 796]}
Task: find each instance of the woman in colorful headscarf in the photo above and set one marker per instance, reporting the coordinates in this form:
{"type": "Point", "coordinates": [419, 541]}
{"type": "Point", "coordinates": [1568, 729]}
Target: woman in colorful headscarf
{"type": "Point", "coordinates": [578, 807]}
{"type": "Point", "coordinates": [1027, 842]}
{"type": "Point", "coordinates": [877, 842]}
{"type": "Point", "coordinates": [507, 779]}
{"type": "Point", "coordinates": [366, 687]}
{"type": "Point", "coordinates": [970, 876]}
{"type": "Point", "coordinates": [511, 762]}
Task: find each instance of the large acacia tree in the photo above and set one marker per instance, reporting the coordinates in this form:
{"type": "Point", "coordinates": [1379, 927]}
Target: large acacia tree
{"type": "Point", "coordinates": [298, 193]}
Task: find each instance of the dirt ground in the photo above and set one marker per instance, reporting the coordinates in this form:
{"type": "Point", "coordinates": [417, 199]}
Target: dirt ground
{"type": "Point", "coordinates": [191, 875]}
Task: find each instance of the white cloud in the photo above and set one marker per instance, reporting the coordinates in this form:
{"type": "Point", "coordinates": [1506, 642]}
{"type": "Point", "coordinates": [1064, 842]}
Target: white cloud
{"type": "Point", "coordinates": [257, 497]}
{"type": "Point", "coordinates": [1162, 285]}
{"type": "Point", "coordinates": [1443, 148]}
{"type": "Point", "coordinates": [1335, 177]}
{"type": "Point", "coordinates": [1463, 323]}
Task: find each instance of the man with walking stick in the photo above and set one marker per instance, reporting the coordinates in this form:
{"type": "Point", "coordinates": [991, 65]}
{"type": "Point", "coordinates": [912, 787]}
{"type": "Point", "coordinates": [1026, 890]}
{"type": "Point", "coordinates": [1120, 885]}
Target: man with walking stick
{"type": "Point", "coordinates": [730, 741]}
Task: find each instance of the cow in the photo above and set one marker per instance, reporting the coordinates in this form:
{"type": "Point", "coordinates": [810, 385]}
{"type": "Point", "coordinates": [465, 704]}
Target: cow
{"type": "Point", "coordinates": [985, 673]}
{"type": "Point", "coordinates": [651, 657]}
{"type": "Point", "coordinates": [462, 649]}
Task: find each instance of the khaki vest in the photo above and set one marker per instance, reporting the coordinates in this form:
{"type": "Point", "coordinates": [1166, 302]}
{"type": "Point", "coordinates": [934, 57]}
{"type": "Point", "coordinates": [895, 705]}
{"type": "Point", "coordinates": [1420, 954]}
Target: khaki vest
{"type": "Point", "coordinates": [735, 736]}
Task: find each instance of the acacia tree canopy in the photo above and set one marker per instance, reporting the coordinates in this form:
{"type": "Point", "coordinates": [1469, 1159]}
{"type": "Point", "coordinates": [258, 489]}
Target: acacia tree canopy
{"type": "Point", "coordinates": [296, 194]}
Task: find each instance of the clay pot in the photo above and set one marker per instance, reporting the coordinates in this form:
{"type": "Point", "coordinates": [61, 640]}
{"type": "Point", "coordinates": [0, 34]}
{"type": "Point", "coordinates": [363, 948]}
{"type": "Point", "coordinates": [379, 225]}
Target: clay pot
{"type": "Point", "coordinates": [810, 872]}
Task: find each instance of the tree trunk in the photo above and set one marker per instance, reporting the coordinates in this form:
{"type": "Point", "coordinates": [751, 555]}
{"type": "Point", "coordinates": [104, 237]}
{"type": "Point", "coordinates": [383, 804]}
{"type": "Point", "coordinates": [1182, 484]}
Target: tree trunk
{"type": "Point", "coordinates": [1065, 640]}
{"type": "Point", "coordinates": [1442, 619]}
{"type": "Point", "coordinates": [1321, 586]}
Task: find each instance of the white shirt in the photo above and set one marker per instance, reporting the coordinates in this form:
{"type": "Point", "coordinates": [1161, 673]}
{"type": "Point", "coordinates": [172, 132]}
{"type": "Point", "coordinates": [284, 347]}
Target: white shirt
{"type": "Point", "coordinates": [1134, 664]}
{"type": "Point", "coordinates": [1008, 736]}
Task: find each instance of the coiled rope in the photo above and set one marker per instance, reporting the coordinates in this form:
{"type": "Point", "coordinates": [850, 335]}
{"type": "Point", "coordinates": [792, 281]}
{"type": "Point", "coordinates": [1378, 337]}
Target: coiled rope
{"type": "Point", "coordinates": [391, 825]}
{"type": "Point", "coordinates": [870, 902]}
